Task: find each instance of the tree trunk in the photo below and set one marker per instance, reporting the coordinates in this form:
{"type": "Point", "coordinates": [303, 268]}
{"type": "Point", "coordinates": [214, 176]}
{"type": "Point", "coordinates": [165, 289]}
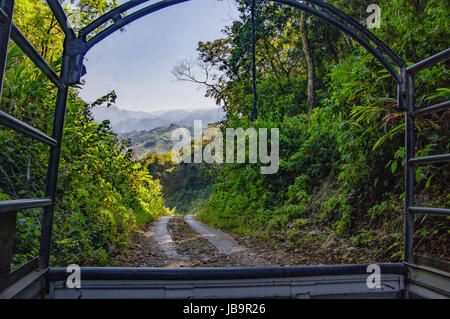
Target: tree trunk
{"type": "Point", "coordinates": [309, 63]}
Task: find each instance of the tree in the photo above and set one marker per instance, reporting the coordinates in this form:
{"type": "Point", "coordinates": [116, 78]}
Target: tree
{"type": "Point", "coordinates": [102, 193]}
{"type": "Point", "coordinates": [309, 62]}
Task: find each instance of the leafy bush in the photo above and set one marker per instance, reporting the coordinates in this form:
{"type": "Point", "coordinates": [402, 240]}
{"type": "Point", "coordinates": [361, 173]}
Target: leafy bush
{"type": "Point", "coordinates": [102, 193]}
{"type": "Point", "coordinates": [340, 166]}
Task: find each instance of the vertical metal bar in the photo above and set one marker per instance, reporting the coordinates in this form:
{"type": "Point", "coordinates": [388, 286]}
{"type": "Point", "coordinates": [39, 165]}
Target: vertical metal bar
{"type": "Point", "coordinates": [254, 113]}
{"type": "Point", "coordinates": [53, 164]}
{"type": "Point", "coordinates": [7, 232]}
{"type": "Point", "coordinates": [5, 31]}
{"type": "Point", "coordinates": [410, 180]}
{"type": "Point", "coordinates": [402, 90]}
{"type": "Point", "coordinates": [7, 220]}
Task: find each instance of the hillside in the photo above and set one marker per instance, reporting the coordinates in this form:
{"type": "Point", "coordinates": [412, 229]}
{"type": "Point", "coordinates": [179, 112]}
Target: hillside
{"type": "Point", "coordinates": [156, 141]}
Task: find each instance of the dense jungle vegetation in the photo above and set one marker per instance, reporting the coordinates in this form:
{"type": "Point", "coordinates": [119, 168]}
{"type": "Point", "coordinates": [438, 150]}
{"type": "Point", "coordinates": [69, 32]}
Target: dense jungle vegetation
{"type": "Point", "coordinates": [341, 138]}
{"type": "Point", "coordinates": [103, 194]}
{"type": "Point", "coordinates": [186, 187]}
{"type": "Point", "coordinates": [341, 134]}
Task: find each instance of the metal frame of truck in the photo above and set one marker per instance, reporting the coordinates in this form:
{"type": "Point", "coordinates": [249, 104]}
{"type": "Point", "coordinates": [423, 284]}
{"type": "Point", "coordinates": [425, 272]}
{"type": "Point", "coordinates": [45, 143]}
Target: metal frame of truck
{"type": "Point", "coordinates": [417, 276]}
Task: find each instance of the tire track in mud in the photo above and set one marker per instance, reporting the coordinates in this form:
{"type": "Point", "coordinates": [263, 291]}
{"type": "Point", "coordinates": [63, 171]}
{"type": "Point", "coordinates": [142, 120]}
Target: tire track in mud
{"type": "Point", "coordinates": [224, 243]}
{"type": "Point", "coordinates": [164, 240]}
{"type": "Point", "coordinates": [153, 247]}
{"type": "Point", "coordinates": [208, 247]}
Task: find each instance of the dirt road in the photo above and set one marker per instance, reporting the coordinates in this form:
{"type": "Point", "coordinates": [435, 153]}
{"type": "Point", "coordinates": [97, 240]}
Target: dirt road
{"type": "Point", "coordinates": [182, 241]}
{"type": "Point", "coordinates": [177, 241]}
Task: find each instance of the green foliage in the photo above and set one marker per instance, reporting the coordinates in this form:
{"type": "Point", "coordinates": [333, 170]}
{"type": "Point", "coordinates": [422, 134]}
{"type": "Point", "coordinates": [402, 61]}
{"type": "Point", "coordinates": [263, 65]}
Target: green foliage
{"type": "Point", "coordinates": [102, 193]}
{"type": "Point", "coordinates": [341, 167]}
{"type": "Point", "coordinates": [186, 187]}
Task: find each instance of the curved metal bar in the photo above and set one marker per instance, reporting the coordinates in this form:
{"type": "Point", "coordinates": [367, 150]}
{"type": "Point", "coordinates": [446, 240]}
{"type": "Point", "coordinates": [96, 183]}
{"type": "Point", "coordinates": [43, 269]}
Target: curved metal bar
{"type": "Point", "coordinates": [346, 29]}
{"type": "Point", "coordinates": [360, 28]}
{"type": "Point", "coordinates": [108, 16]}
{"type": "Point", "coordinates": [121, 22]}
{"type": "Point", "coordinates": [61, 17]}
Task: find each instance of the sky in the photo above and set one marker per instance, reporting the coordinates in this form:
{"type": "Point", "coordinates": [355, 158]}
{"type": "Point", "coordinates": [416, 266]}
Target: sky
{"type": "Point", "coordinates": [137, 63]}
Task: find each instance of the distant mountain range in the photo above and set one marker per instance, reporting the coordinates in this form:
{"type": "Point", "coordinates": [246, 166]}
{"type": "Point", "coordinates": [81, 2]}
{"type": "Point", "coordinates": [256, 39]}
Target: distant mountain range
{"type": "Point", "coordinates": [124, 121]}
